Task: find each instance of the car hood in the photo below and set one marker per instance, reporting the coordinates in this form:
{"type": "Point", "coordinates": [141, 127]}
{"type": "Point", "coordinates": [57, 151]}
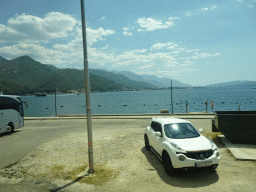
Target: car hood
{"type": "Point", "coordinates": [193, 144]}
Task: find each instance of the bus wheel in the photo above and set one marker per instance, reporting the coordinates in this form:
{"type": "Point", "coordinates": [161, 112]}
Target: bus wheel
{"type": "Point", "coordinates": [10, 128]}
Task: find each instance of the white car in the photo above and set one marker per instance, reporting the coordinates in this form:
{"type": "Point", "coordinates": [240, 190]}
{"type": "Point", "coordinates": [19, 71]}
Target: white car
{"type": "Point", "coordinates": [178, 144]}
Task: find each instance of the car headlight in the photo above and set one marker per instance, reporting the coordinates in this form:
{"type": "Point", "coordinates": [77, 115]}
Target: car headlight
{"type": "Point", "coordinates": [182, 157]}
{"type": "Point", "coordinates": [212, 144]}
{"type": "Point", "coordinates": [175, 145]}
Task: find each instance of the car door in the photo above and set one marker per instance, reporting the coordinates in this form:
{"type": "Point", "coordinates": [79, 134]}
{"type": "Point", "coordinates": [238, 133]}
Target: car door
{"type": "Point", "coordinates": [152, 137]}
{"type": "Point", "coordinates": [159, 140]}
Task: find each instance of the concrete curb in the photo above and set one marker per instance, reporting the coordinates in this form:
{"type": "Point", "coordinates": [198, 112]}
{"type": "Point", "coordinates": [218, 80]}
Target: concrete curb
{"type": "Point", "coordinates": [134, 116]}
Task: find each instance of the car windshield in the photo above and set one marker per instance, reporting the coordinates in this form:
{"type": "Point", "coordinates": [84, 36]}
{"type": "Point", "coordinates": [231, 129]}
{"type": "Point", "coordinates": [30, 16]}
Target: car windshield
{"type": "Point", "coordinates": [180, 131]}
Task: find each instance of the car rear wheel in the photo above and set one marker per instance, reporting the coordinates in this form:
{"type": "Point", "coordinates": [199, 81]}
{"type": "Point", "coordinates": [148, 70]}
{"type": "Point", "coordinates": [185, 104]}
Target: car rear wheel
{"type": "Point", "coordinates": [146, 142]}
{"type": "Point", "coordinates": [168, 164]}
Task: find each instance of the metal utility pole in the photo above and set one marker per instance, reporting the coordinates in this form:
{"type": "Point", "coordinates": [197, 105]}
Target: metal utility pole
{"type": "Point", "coordinates": [186, 106]}
{"type": "Point", "coordinates": [171, 97]}
{"type": "Point", "coordinates": [55, 101]}
{"type": "Point", "coordinates": [87, 92]}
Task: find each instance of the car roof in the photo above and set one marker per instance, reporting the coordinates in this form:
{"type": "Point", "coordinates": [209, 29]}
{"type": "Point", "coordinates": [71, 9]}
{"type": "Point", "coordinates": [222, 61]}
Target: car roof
{"type": "Point", "coordinates": [168, 120]}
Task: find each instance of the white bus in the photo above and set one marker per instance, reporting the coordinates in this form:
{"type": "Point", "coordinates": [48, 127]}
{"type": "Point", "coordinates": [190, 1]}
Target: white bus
{"type": "Point", "coordinates": [11, 113]}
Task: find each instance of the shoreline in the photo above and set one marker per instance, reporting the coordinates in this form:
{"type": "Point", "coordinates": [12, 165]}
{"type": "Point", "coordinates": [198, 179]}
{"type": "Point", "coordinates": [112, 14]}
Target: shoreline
{"type": "Point", "coordinates": [192, 115]}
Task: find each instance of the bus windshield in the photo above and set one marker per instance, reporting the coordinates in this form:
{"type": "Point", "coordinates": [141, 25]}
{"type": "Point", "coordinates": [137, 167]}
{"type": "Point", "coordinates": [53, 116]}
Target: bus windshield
{"type": "Point", "coordinates": [11, 102]}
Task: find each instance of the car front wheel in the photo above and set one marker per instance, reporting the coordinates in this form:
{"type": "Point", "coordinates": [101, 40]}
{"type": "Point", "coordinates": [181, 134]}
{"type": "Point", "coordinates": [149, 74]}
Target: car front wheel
{"type": "Point", "coordinates": [168, 164]}
{"type": "Point", "coordinates": [146, 142]}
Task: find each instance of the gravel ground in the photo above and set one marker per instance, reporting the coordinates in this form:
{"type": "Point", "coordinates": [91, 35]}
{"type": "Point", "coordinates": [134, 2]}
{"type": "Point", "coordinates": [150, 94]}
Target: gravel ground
{"type": "Point", "coordinates": [121, 164]}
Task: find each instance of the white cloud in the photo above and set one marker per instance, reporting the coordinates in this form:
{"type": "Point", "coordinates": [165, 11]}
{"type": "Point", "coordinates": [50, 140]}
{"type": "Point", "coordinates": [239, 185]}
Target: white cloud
{"type": "Point", "coordinates": [188, 14]}
{"type": "Point", "coordinates": [174, 46]}
{"type": "Point", "coordinates": [105, 47]}
{"type": "Point", "coordinates": [102, 18]}
{"type": "Point", "coordinates": [146, 66]}
{"type": "Point", "coordinates": [150, 24]}
{"type": "Point", "coordinates": [96, 35]}
{"type": "Point", "coordinates": [125, 28]}
{"type": "Point", "coordinates": [93, 36]}
{"type": "Point", "coordinates": [127, 33]}
{"type": "Point", "coordinates": [142, 59]}
{"type": "Point", "coordinates": [199, 55]}
{"type": "Point", "coordinates": [30, 28]}
{"type": "Point", "coordinates": [204, 9]}
{"type": "Point", "coordinates": [158, 46]}
{"type": "Point", "coordinates": [214, 7]}
{"type": "Point", "coordinates": [137, 51]}
{"type": "Point", "coordinates": [173, 18]}
{"type": "Point", "coordinates": [40, 53]}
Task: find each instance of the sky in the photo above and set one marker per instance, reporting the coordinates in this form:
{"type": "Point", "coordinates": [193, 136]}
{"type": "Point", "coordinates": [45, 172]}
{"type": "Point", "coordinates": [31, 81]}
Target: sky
{"type": "Point", "coordinates": [197, 42]}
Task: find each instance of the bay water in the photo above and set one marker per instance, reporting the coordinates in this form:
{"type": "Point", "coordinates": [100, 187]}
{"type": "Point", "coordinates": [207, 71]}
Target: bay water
{"type": "Point", "coordinates": [144, 102]}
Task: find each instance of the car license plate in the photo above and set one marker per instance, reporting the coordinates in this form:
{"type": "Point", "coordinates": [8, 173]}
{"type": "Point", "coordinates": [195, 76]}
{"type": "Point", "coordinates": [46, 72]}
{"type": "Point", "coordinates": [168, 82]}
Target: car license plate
{"type": "Point", "coordinates": [203, 164]}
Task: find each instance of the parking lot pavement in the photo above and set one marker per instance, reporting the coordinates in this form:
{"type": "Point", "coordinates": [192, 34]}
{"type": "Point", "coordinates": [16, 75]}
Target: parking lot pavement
{"type": "Point", "coordinates": [243, 152]}
{"type": "Point", "coordinates": [119, 132]}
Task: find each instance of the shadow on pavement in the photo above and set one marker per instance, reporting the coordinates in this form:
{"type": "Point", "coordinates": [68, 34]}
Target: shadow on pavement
{"type": "Point", "coordinates": [6, 133]}
{"type": "Point", "coordinates": [194, 178]}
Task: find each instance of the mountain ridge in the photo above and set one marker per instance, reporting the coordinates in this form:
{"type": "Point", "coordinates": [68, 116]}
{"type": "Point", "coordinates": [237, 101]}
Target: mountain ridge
{"type": "Point", "coordinates": [152, 79]}
{"type": "Point", "coordinates": [23, 75]}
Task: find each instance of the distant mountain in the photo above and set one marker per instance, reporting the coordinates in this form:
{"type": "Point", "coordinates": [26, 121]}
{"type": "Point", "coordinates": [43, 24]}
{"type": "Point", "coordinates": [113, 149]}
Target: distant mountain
{"type": "Point", "coordinates": [2, 59]}
{"type": "Point", "coordinates": [234, 84]}
{"type": "Point", "coordinates": [24, 75]}
{"type": "Point", "coordinates": [121, 79]}
{"type": "Point", "coordinates": [152, 79]}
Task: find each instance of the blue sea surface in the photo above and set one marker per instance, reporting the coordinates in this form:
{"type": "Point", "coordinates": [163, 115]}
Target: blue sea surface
{"type": "Point", "coordinates": [143, 102]}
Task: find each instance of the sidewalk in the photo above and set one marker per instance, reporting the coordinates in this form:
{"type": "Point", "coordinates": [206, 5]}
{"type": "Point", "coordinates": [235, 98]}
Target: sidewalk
{"type": "Point", "coordinates": [242, 152]}
{"type": "Point", "coordinates": [133, 116]}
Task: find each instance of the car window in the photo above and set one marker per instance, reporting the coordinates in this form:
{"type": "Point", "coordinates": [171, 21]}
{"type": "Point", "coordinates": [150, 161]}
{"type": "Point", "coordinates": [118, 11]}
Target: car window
{"type": "Point", "coordinates": [180, 131]}
{"type": "Point", "coordinates": [153, 125]}
{"type": "Point", "coordinates": [157, 127]}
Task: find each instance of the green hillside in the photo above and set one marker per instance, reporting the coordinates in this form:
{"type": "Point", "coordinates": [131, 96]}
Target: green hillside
{"type": "Point", "coordinates": [23, 75]}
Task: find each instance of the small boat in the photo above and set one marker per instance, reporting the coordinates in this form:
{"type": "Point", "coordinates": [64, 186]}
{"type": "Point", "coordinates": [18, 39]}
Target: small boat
{"type": "Point", "coordinates": [164, 111]}
{"type": "Point", "coordinates": [41, 94]}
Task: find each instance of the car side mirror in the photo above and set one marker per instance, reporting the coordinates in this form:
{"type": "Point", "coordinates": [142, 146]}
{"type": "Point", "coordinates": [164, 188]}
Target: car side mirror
{"type": "Point", "coordinates": [200, 130]}
{"type": "Point", "coordinates": [158, 134]}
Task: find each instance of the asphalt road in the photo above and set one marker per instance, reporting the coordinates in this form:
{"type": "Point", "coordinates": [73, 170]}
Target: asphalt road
{"type": "Point", "coordinates": [36, 132]}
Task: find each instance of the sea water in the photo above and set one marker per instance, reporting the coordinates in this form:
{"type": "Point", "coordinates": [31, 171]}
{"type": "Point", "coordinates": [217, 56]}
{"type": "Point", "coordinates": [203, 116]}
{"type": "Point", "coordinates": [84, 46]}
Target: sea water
{"type": "Point", "coordinates": [144, 102]}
